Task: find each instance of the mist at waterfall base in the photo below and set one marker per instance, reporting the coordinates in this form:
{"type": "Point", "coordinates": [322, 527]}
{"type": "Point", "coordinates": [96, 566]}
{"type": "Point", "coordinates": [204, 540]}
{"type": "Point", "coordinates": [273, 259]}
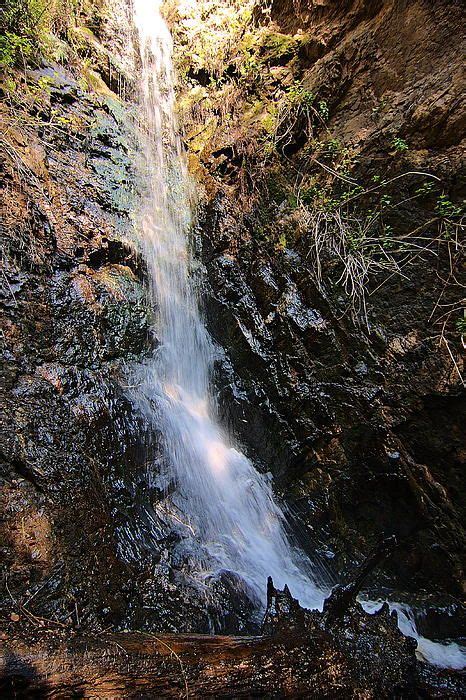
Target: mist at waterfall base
{"type": "Point", "coordinates": [220, 507]}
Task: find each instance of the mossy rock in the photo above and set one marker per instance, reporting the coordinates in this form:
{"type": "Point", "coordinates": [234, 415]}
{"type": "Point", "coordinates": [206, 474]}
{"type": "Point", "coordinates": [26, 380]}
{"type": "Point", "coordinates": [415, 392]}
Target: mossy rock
{"type": "Point", "coordinates": [276, 46]}
{"type": "Point", "coordinates": [114, 182]}
{"type": "Point", "coordinates": [198, 95]}
{"type": "Point", "coordinates": [201, 139]}
{"type": "Point", "coordinates": [106, 129]}
{"type": "Point", "coordinates": [95, 82]}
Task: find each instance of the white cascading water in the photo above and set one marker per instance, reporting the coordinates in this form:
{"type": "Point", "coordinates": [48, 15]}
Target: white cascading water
{"type": "Point", "coordinates": [230, 519]}
{"type": "Point", "coordinates": [221, 506]}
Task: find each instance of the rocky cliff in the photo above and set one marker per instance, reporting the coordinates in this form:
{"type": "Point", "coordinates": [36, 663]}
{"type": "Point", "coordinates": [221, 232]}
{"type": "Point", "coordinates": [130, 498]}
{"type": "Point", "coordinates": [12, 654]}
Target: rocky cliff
{"type": "Point", "coordinates": [325, 139]}
{"type": "Point", "coordinates": [330, 148]}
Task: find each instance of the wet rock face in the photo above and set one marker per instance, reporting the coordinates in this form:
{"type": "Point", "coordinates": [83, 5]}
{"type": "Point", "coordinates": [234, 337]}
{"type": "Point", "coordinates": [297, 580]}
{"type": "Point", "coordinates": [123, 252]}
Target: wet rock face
{"type": "Point", "coordinates": [362, 430]}
{"type": "Point", "coordinates": [82, 542]}
{"type": "Point", "coordinates": [338, 417]}
{"type": "Point", "coordinates": [359, 426]}
{"type": "Point", "coordinates": [321, 406]}
{"type": "Point", "coordinates": [75, 312]}
{"type": "Point", "coordinates": [371, 646]}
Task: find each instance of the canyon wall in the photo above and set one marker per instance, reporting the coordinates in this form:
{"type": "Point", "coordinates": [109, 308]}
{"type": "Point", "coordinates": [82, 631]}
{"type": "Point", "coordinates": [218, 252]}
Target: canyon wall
{"type": "Point", "coordinates": [339, 355]}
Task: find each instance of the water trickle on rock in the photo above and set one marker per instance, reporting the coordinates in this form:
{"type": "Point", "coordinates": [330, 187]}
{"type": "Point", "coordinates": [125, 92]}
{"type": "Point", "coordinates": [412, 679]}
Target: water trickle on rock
{"type": "Point", "coordinates": [221, 506]}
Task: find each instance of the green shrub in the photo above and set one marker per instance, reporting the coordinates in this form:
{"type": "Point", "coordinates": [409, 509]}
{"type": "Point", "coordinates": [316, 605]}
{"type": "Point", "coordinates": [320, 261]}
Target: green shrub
{"type": "Point", "coordinates": [26, 27]}
{"type": "Point", "coordinates": [298, 95]}
{"type": "Point", "coordinates": [399, 144]}
{"type": "Point", "coordinates": [13, 49]}
{"type": "Point", "coordinates": [446, 208]}
{"type": "Point", "coordinates": [324, 110]}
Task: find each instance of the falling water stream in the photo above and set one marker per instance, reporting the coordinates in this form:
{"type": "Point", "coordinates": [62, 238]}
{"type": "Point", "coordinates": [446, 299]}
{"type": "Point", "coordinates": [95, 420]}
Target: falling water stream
{"type": "Point", "coordinates": [227, 507]}
{"type": "Point", "coordinates": [222, 508]}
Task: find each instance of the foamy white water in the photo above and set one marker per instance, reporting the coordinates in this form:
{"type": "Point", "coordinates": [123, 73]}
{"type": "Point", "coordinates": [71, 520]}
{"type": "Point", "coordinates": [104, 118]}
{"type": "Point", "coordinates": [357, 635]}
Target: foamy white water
{"type": "Point", "coordinates": [223, 509]}
{"type": "Point", "coordinates": [449, 655]}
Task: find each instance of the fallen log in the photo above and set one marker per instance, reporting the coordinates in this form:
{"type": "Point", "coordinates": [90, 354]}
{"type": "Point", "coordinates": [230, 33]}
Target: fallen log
{"type": "Point", "coordinates": [300, 657]}
{"type": "Point", "coordinates": [342, 652]}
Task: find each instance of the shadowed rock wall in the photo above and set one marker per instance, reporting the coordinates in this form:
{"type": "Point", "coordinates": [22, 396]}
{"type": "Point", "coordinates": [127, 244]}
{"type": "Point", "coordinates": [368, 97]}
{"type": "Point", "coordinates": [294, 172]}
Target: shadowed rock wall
{"type": "Point", "coordinates": [360, 424]}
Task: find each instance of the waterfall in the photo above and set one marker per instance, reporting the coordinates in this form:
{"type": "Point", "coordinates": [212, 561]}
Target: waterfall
{"type": "Point", "coordinates": [222, 507]}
